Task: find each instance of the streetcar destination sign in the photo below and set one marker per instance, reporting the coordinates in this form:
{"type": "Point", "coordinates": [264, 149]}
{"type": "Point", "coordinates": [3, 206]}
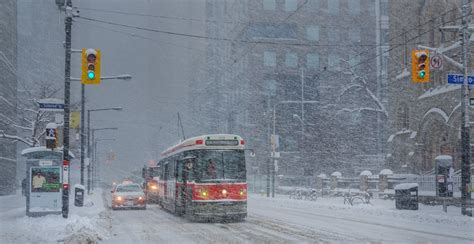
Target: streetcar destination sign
{"type": "Point", "coordinates": [222, 142]}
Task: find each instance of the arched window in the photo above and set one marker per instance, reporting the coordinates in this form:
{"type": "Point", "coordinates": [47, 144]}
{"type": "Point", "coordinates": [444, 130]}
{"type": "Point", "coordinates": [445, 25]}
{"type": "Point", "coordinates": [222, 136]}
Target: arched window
{"type": "Point", "coordinates": [403, 118]}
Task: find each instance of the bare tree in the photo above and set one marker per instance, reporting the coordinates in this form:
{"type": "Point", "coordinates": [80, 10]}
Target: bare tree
{"type": "Point", "coordinates": [30, 121]}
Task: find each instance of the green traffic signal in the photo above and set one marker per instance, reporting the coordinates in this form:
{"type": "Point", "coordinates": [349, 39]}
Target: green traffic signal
{"type": "Point", "coordinates": [422, 74]}
{"type": "Point", "coordinates": [90, 75]}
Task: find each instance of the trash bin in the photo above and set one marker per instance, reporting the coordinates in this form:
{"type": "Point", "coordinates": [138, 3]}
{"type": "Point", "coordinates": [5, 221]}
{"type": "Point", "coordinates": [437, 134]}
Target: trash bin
{"type": "Point", "coordinates": [406, 196]}
{"type": "Point", "coordinates": [79, 195]}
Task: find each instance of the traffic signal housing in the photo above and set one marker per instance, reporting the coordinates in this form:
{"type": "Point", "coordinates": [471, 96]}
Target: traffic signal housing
{"type": "Point", "coordinates": [90, 66]}
{"type": "Point", "coordinates": [51, 136]}
{"type": "Point", "coordinates": [420, 66]}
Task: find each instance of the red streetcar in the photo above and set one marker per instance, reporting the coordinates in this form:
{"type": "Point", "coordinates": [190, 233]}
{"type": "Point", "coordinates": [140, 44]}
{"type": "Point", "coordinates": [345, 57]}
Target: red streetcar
{"type": "Point", "coordinates": [204, 178]}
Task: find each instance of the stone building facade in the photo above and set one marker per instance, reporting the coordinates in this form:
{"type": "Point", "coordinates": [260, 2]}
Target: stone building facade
{"type": "Point", "coordinates": [424, 118]}
{"type": "Point", "coordinates": [8, 91]}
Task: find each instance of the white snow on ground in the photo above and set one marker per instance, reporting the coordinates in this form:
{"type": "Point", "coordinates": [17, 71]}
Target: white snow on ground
{"type": "Point", "coordinates": [379, 221]}
{"type": "Point", "coordinates": [83, 225]}
{"type": "Point", "coordinates": [270, 220]}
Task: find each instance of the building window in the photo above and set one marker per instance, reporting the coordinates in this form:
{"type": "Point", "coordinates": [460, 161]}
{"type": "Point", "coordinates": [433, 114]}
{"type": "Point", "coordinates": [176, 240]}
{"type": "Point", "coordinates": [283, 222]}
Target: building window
{"type": "Point", "coordinates": [384, 7]}
{"type": "Point", "coordinates": [333, 62]}
{"type": "Point", "coordinates": [312, 60]}
{"type": "Point", "coordinates": [269, 59]}
{"type": "Point", "coordinates": [291, 5]}
{"type": "Point", "coordinates": [333, 6]}
{"type": "Point", "coordinates": [333, 35]}
{"type": "Point", "coordinates": [403, 117]}
{"type": "Point", "coordinates": [354, 7]}
{"type": "Point", "coordinates": [354, 34]}
{"type": "Point", "coordinates": [291, 59]}
{"type": "Point", "coordinates": [270, 87]}
{"type": "Point", "coordinates": [269, 4]}
{"type": "Point", "coordinates": [312, 33]}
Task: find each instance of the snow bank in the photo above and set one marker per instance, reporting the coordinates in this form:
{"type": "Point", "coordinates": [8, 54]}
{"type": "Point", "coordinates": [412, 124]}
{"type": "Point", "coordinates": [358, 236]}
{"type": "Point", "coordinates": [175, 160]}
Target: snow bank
{"type": "Point", "coordinates": [83, 225]}
{"type": "Point", "coordinates": [386, 172]}
{"type": "Point", "coordinates": [323, 176]}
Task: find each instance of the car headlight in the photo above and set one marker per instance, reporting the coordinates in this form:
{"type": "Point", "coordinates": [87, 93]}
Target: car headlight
{"type": "Point", "coordinates": [140, 198]}
{"type": "Point", "coordinates": [154, 187]}
{"type": "Point", "coordinates": [118, 198]}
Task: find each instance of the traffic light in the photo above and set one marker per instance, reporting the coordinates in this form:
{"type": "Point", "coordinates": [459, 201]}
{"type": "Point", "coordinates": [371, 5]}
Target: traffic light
{"type": "Point", "coordinates": [51, 135]}
{"type": "Point", "coordinates": [90, 66]}
{"type": "Point", "coordinates": [420, 66]}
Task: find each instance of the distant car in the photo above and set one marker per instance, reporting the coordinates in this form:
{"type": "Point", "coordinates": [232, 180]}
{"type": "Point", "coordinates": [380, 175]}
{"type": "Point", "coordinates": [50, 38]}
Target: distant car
{"type": "Point", "coordinates": [129, 195]}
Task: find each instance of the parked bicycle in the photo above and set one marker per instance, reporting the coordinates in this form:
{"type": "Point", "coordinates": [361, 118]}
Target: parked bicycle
{"type": "Point", "coordinates": [300, 194]}
{"type": "Point", "coordinates": [355, 199]}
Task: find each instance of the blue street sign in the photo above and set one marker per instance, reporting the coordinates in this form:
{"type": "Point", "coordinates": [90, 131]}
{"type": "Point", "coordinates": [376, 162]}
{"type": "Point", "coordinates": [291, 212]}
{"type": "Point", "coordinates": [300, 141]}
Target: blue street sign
{"type": "Point", "coordinates": [459, 79]}
{"type": "Point", "coordinates": [51, 106]}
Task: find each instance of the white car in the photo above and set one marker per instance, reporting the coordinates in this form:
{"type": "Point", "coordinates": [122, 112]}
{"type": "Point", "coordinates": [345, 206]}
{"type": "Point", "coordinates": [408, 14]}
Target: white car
{"type": "Point", "coordinates": [129, 195]}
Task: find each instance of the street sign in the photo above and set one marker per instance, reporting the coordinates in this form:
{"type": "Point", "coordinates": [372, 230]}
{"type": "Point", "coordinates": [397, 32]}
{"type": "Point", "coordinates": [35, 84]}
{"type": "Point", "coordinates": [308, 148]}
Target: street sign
{"type": "Point", "coordinates": [75, 119]}
{"type": "Point", "coordinates": [436, 62]}
{"type": "Point", "coordinates": [51, 104]}
{"type": "Point", "coordinates": [459, 79]}
{"type": "Point", "coordinates": [471, 102]}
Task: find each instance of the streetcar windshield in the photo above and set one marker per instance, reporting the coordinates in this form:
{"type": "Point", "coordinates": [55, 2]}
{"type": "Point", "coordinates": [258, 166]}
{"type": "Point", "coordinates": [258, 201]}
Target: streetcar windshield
{"type": "Point", "coordinates": [216, 165]}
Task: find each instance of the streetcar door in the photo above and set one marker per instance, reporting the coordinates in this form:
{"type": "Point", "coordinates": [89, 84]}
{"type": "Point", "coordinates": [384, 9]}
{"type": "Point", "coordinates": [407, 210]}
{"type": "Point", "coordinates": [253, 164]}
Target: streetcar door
{"type": "Point", "coordinates": [180, 191]}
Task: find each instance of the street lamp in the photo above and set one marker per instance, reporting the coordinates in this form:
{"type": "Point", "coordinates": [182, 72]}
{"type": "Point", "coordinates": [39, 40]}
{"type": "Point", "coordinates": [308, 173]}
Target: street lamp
{"type": "Point", "coordinates": [97, 169]}
{"type": "Point", "coordinates": [88, 132]}
{"type": "Point", "coordinates": [89, 153]}
{"type": "Point", "coordinates": [274, 146]}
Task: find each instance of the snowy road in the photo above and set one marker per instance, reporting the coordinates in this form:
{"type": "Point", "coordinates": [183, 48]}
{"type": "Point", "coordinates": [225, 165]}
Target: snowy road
{"type": "Point", "coordinates": [282, 220]}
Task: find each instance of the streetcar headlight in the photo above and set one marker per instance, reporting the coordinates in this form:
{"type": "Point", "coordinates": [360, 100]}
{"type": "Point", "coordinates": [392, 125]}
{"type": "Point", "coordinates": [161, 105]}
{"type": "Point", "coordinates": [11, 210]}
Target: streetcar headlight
{"type": "Point", "coordinates": [154, 187]}
{"type": "Point", "coordinates": [140, 198]}
{"type": "Point", "coordinates": [118, 198]}
{"type": "Point", "coordinates": [224, 192]}
{"type": "Point", "coordinates": [242, 192]}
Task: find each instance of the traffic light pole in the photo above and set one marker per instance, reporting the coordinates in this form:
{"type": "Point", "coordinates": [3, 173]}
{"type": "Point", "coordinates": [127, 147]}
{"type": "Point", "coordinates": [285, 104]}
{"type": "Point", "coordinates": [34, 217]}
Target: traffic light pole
{"type": "Point", "coordinates": [465, 130]}
{"type": "Point", "coordinates": [67, 87]}
{"type": "Point", "coordinates": [83, 107]}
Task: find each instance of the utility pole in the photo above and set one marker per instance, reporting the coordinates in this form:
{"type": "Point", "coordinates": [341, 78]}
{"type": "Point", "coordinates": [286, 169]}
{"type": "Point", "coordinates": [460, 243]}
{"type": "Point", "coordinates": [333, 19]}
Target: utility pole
{"type": "Point", "coordinates": [67, 87]}
{"type": "Point", "coordinates": [83, 107]}
{"type": "Point", "coordinates": [465, 130]}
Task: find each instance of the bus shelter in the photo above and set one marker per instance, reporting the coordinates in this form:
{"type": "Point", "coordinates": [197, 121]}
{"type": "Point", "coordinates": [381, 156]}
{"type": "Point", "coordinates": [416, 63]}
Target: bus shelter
{"type": "Point", "coordinates": [43, 180]}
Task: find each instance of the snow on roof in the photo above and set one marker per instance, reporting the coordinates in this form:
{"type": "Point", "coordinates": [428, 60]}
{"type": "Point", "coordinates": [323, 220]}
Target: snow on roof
{"type": "Point", "coordinates": [43, 149]}
{"type": "Point", "coordinates": [439, 90]}
{"type": "Point", "coordinates": [386, 172]}
{"type": "Point", "coordinates": [405, 186]}
{"type": "Point", "coordinates": [79, 186]}
{"type": "Point", "coordinates": [401, 132]}
{"type": "Point", "coordinates": [390, 138]}
{"type": "Point", "coordinates": [336, 174]}
{"type": "Point", "coordinates": [366, 173]}
{"type": "Point", "coordinates": [444, 157]}
{"type": "Point", "coordinates": [322, 176]}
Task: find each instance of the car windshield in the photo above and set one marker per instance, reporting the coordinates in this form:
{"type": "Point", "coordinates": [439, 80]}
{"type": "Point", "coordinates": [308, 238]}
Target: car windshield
{"type": "Point", "coordinates": [128, 188]}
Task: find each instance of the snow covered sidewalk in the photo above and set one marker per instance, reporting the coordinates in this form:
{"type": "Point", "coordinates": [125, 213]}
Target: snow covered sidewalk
{"type": "Point", "coordinates": [87, 224]}
{"type": "Point", "coordinates": [328, 218]}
